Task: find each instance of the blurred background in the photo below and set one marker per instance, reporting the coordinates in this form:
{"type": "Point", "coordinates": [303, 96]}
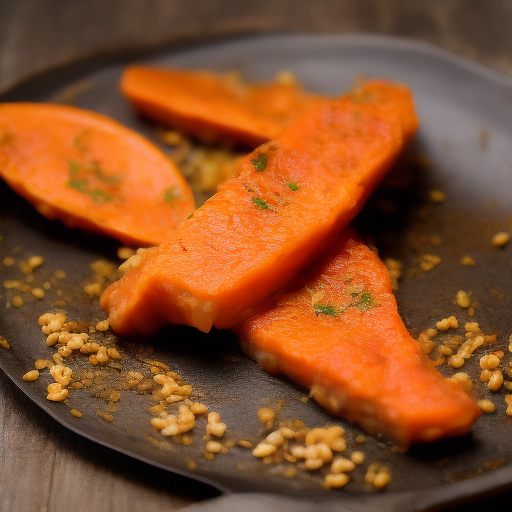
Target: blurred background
{"type": "Point", "coordinates": [37, 34]}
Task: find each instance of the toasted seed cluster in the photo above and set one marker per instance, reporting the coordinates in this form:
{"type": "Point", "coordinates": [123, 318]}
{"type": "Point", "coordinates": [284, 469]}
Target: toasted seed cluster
{"type": "Point", "coordinates": [312, 450]}
{"type": "Point", "coordinates": [171, 393]}
{"type": "Point", "coordinates": [429, 261]}
{"type": "Point", "coordinates": [204, 167]}
{"type": "Point", "coordinates": [25, 284]}
{"type": "Point", "coordinates": [105, 380]}
{"type": "Point", "coordinates": [458, 349]}
{"type": "Point", "coordinates": [377, 475]}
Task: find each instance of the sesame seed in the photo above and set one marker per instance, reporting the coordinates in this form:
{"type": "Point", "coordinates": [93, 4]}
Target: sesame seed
{"type": "Point", "coordinates": [17, 301]}
{"type": "Point", "coordinates": [486, 406]}
{"type": "Point", "coordinates": [31, 375]}
{"type": "Point", "coordinates": [500, 239]}
{"type": "Point", "coordinates": [38, 293]}
{"type": "Point", "coordinates": [463, 299]}
{"type": "Point", "coordinates": [467, 261]}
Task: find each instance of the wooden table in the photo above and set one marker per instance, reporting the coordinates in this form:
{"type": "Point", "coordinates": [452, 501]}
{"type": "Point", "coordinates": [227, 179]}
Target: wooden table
{"type": "Point", "coordinates": [44, 467]}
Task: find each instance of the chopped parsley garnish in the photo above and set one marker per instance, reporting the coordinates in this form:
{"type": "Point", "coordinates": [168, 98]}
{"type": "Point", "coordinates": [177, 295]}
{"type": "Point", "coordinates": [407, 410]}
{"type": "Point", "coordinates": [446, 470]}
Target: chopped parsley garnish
{"type": "Point", "coordinates": [361, 300]}
{"type": "Point", "coordinates": [95, 169]}
{"type": "Point", "coordinates": [73, 168]}
{"type": "Point", "coordinates": [172, 194]}
{"type": "Point", "coordinates": [110, 179]}
{"type": "Point", "coordinates": [366, 301]}
{"type": "Point", "coordinates": [293, 186]}
{"type": "Point", "coordinates": [260, 163]}
{"type": "Point", "coordinates": [82, 186]}
{"type": "Point", "coordinates": [325, 309]}
{"type": "Point", "coordinates": [260, 203]}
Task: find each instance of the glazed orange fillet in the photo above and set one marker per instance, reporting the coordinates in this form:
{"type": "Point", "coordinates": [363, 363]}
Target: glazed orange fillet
{"type": "Point", "coordinates": [341, 336]}
{"type": "Point", "coordinates": [291, 199]}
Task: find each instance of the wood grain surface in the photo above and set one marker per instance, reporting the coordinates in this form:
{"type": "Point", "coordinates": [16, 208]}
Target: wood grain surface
{"type": "Point", "coordinates": [44, 467]}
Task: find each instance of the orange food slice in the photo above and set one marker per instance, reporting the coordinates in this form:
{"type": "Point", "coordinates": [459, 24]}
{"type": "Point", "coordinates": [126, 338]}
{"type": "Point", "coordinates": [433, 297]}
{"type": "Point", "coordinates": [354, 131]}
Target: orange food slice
{"type": "Point", "coordinates": [341, 336]}
{"type": "Point", "coordinates": [89, 171]}
{"type": "Point", "coordinates": [291, 199]}
{"type": "Point", "coordinates": [212, 106]}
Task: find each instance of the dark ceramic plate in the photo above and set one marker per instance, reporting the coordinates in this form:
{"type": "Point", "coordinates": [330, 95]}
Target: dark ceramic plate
{"type": "Point", "coordinates": [463, 148]}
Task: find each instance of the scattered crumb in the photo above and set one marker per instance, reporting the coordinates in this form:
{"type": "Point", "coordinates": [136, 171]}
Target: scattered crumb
{"type": "Point", "coordinates": [4, 343]}
{"type": "Point", "coordinates": [429, 261]}
{"type": "Point", "coordinates": [501, 239]}
{"type": "Point", "coordinates": [437, 196]}
{"type": "Point", "coordinates": [105, 415]}
{"type": "Point", "coordinates": [17, 301]}
{"type": "Point", "coordinates": [468, 261]}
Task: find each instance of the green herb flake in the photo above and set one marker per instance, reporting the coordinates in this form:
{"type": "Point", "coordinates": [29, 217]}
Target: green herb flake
{"type": "Point", "coordinates": [73, 169]}
{"type": "Point", "coordinates": [79, 185]}
{"type": "Point", "coordinates": [172, 194]}
{"type": "Point", "coordinates": [260, 203]}
{"type": "Point", "coordinates": [325, 309]}
{"type": "Point", "coordinates": [94, 169]}
{"type": "Point", "coordinates": [293, 186]}
{"type": "Point", "coordinates": [100, 196]}
{"type": "Point", "coordinates": [357, 116]}
{"type": "Point", "coordinates": [109, 179]}
{"type": "Point", "coordinates": [272, 148]}
{"type": "Point", "coordinates": [366, 301]}
{"type": "Point", "coordinates": [260, 163]}
{"type": "Point", "coordinates": [82, 186]}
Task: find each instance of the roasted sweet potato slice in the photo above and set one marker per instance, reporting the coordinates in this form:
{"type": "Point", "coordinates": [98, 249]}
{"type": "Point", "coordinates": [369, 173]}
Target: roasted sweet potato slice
{"type": "Point", "coordinates": [290, 201]}
{"type": "Point", "coordinates": [214, 107]}
{"type": "Point", "coordinates": [340, 335]}
{"type": "Point", "coordinates": [89, 171]}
